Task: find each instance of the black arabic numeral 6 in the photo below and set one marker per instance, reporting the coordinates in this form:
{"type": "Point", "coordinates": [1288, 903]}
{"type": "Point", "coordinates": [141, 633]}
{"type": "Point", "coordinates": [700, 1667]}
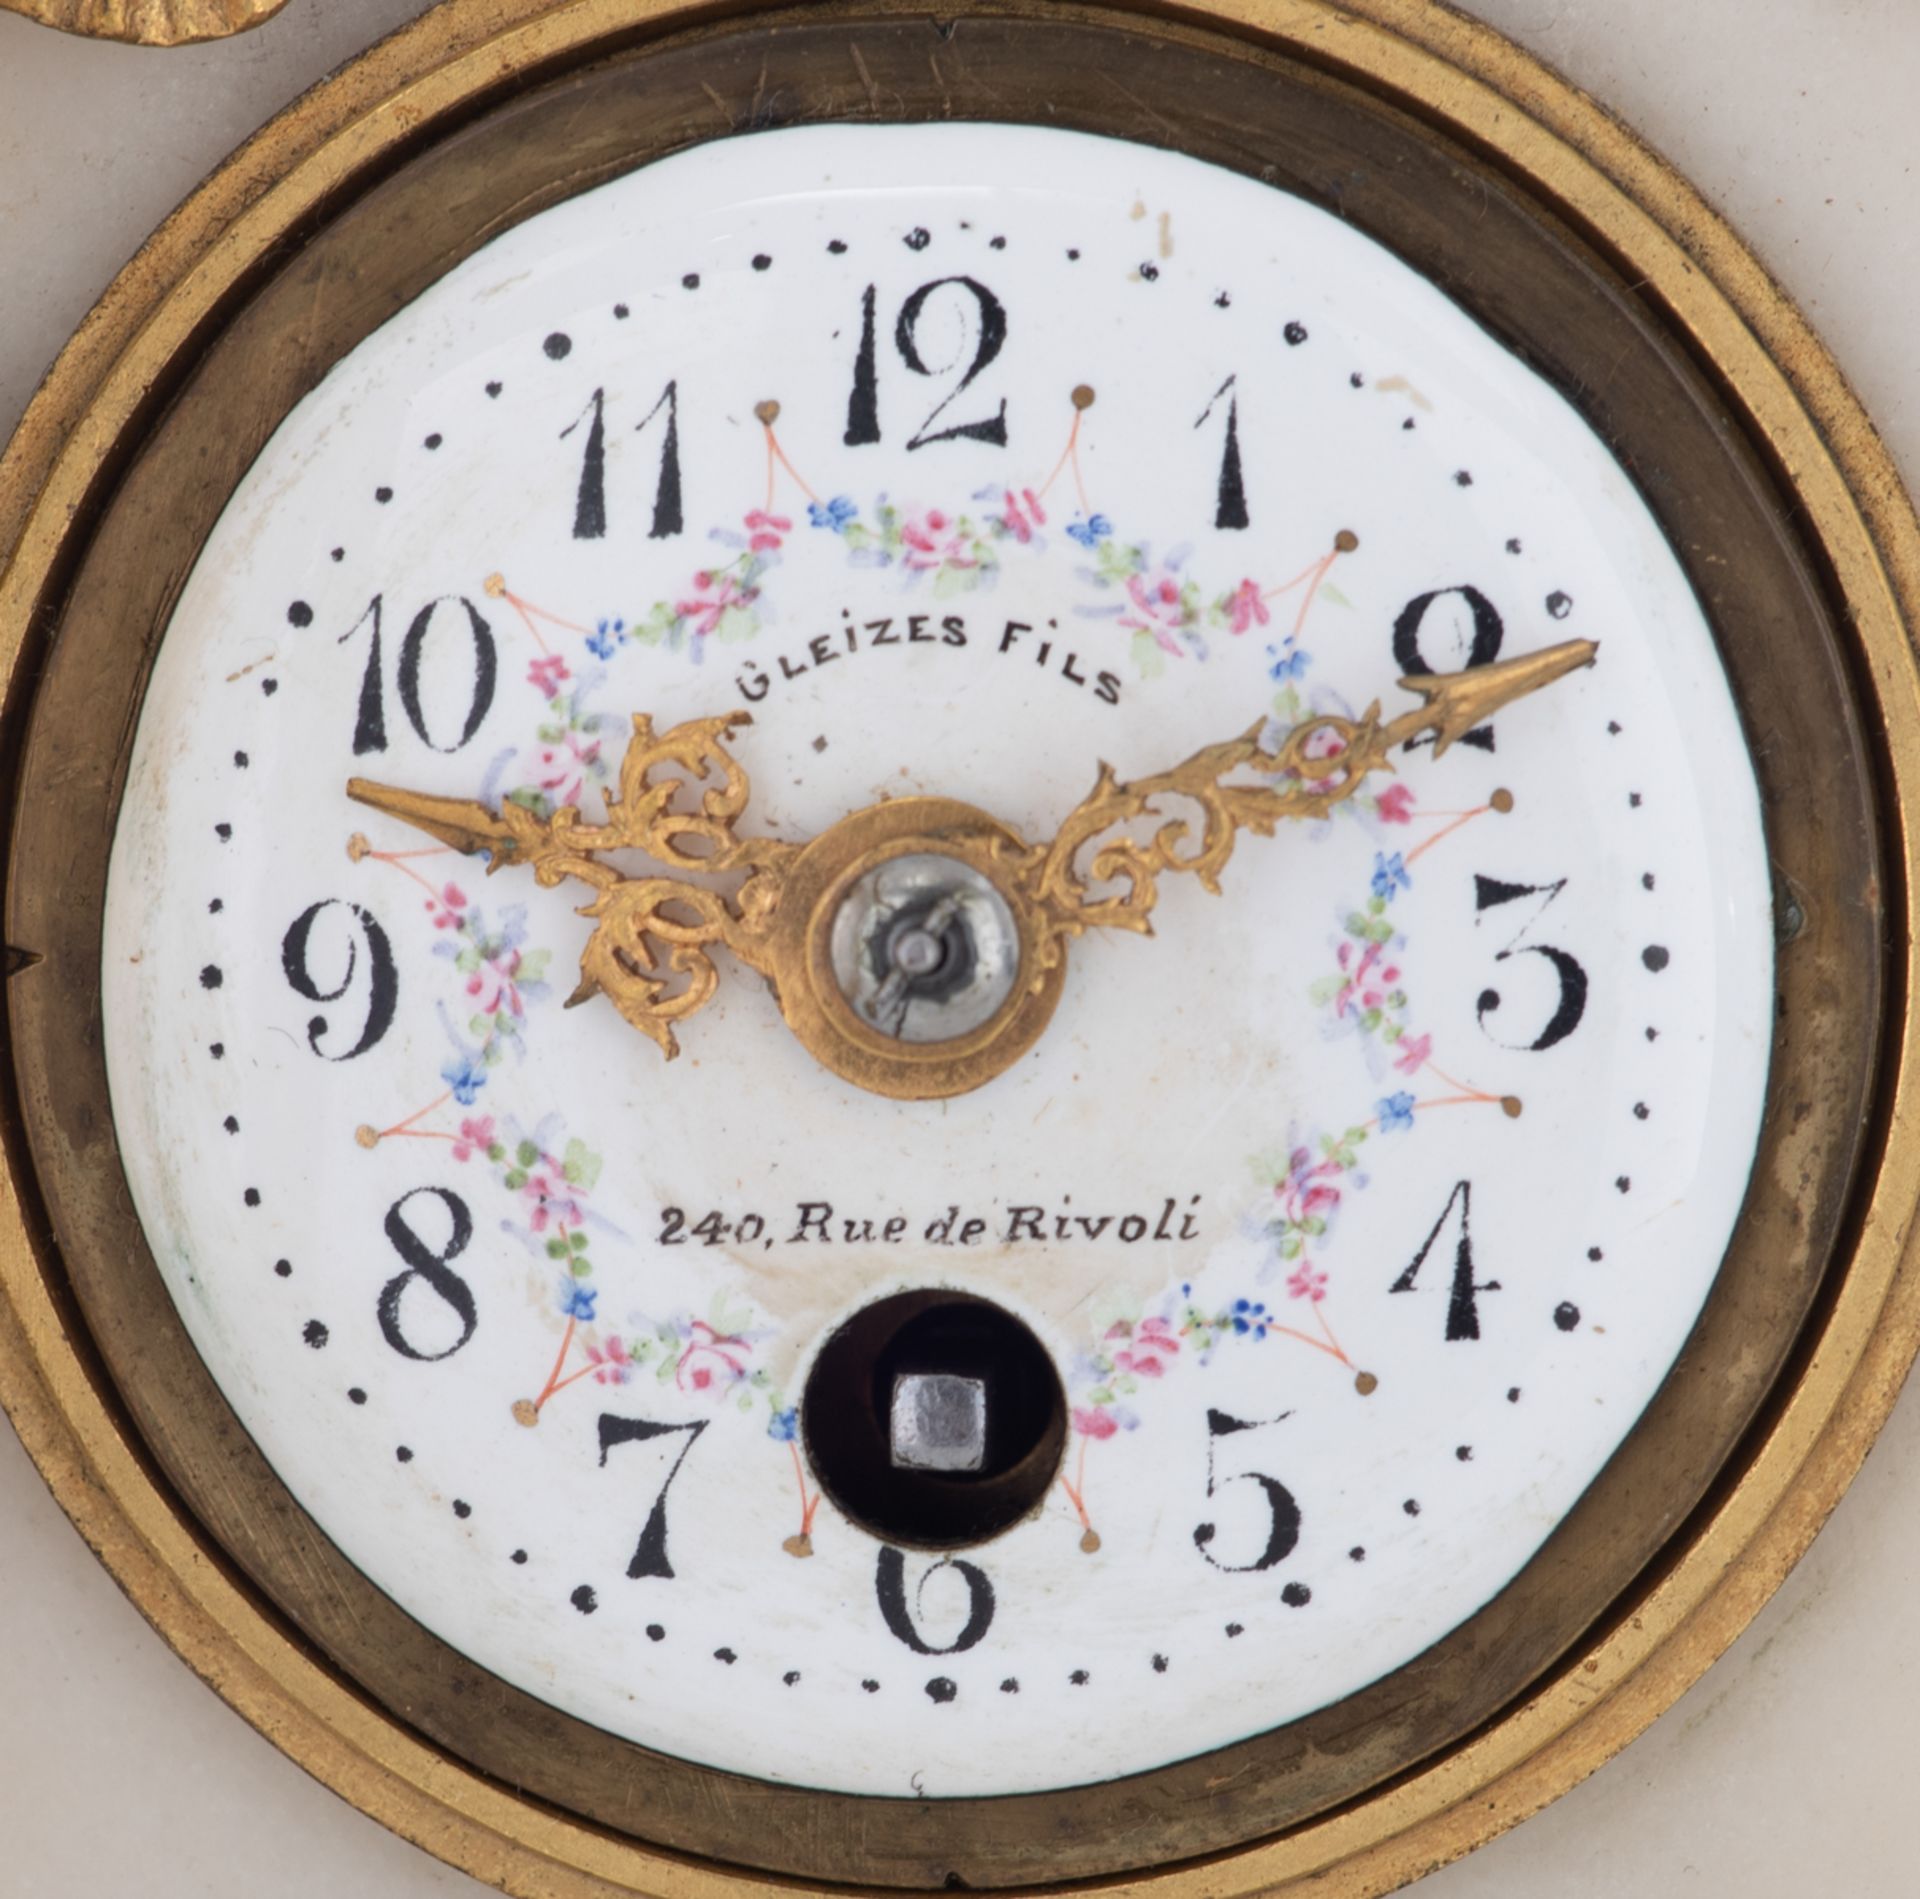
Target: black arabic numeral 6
{"type": "Point", "coordinates": [1570, 996]}
{"type": "Point", "coordinates": [1476, 634]}
{"type": "Point", "coordinates": [370, 719]}
{"type": "Point", "coordinates": [985, 327]}
{"type": "Point", "coordinates": [890, 1585]}
{"type": "Point", "coordinates": [429, 1269]}
{"type": "Point", "coordinates": [650, 1553]}
{"type": "Point", "coordinates": [297, 949]}
{"type": "Point", "coordinates": [1463, 1297]}
{"type": "Point", "coordinates": [1283, 1513]}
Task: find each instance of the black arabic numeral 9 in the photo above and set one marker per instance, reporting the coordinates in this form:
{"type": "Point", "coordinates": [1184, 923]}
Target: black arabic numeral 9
{"type": "Point", "coordinates": [890, 1585]}
{"type": "Point", "coordinates": [297, 950]}
{"type": "Point", "coordinates": [370, 720]}
{"type": "Point", "coordinates": [430, 1269]}
{"type": "Point", "coordinates": [1283, 1513]}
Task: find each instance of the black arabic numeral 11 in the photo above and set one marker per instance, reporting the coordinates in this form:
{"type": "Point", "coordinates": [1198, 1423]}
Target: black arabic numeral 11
{"type": "Point", "coordinates": [590, 497]}
{"type": "Point", "coordinates": [650, 1553]}
{"type": "Point", "coordinates": [1283, 1513]}
{"type": "Point", "coordinates": [370, 722]}
{"type": "Point", "coordinates": [1463, 1305]}
{"type": "Point", "coordinates": [890, 1585]}
{"type": "Point", "coordinates": [430, 1269]}
{"type": "Point", "coordinates": [382, 978]}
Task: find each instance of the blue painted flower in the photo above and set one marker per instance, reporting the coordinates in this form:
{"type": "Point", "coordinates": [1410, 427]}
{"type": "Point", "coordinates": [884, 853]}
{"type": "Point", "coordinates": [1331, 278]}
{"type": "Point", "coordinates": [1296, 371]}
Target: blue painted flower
{"type": "Point", "coordinates": [1090, 532]}
{"type": "Point", "coordinates": [833, 515]}
{"type": "Point", "coordinates": [1395, 1111]}
{"type": "Point", "coordinates": [1390, 874]}
{"type": "Point", "coordinates": [575, 1300]}
{"type": "Point", "coordinates": [1283, 664]}
{"type": "Point", "coordinates": [606, 635]}
{"type": "Point", "coordinates": [784, 1426]}
{"type": "Point", "coordinates": [465, 1075]}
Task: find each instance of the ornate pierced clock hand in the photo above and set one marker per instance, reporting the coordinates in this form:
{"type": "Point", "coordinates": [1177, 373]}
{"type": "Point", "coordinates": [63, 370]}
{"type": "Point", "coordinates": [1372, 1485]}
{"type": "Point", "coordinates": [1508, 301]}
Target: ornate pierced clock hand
{"type": "Point", "coordinates": [921, 902]}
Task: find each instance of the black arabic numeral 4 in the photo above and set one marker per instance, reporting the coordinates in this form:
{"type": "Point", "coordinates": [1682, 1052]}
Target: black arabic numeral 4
{"type": "Point", "coordinates": [297, 951]}
{"type": "Point", "coordinates": [1476, 634]}
{"type": "Point", "coordinates": [650, 1553]}
{"type": "Point", "coordinates": [1283, 1513]}
{"type": "Point", "coordinates": [370, 720]}
{"type": "Point", "coordinates": [1230, 497]}
{"type": "Point", "coordinates": [890, 1585]}
{"type": "Point", "coordinates": [430, 1269]}
{"type": "Point", "coordinates": [1463, 1302]}
{"type": "Point", "coordinates": [1570, 979]}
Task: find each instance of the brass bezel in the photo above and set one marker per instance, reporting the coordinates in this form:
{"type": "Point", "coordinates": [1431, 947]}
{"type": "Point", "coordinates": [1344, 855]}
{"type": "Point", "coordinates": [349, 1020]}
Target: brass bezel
{"type": "Point", "coordinates": [80, 441]}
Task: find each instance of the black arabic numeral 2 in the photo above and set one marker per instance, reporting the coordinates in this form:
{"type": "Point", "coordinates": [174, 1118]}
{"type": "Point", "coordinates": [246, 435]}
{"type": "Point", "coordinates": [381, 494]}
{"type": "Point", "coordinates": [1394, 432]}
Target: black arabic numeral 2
{"type": "Point", "coordinates": [650, 1553]}
{"type": "Point", "coordinates": [890, 1585]}
{"type": "Point", "coordinates": [383, 979]}
{"type": "Point", "coordinates": [1463, 1305]}
{"type": "Point", "coordinates": [370, 721]}
{"type": "Point", "coordinates": [1283, 1513]}
{"type": "Point", "coordinates": [430, 1269]}
{"type": "Point", "coordinates": [1489, 893]}
{"type": "Point", "coordinates": [1230, 501]}
{"type": "Point", "coordinates": [1477, 642]}
{"type": "Point", "coordinates": [988, 331]}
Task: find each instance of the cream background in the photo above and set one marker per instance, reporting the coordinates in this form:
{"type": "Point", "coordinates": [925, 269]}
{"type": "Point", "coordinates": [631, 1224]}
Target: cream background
{"type": "Point", "coordinates": [1784, 1771]}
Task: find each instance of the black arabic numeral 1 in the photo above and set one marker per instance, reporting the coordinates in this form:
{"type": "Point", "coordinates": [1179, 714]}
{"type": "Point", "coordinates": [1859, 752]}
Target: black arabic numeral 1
{"type": "Point", "coordinates": [1476, 642]}
{"type": "Point", "coordinates": [1463, 1304]}
{"type": "Point", "coordinates": [1570, 1004]}
{"type": "Point", "coordinates": [863, 400]}
{"type": "Point", "coordinates": [1283, 1513]}
{"type": "Point", "coordinates": [650, 1553]}
{"type": "Point", "coordinates": [429, 1269]}
{"type": "Point", "coordinates": [383, 978]}
{"type": "Point", "coordinates": [890, 1585]}
{"type": "Point", "coordinates": [1230, 498]}
{"type": "Point", "coordinates": [370, 718]}
{"type": "Point", "coordinates": [668, 516]}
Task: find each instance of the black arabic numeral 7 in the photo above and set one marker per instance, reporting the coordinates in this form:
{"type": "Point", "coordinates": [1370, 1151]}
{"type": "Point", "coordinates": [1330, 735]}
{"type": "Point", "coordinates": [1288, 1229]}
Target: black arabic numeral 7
{"type": "Point", "coordinates": [430, 1269]}
{"type": "Point", "coordinates": [650, 1553]}
{"type": "Point", "coordinates": [383, 979]}
{"type": "Point", "coordinates": [1283, 1513]}
{"type": "Point", "coordinates": [1463, 1304]}
{"type": "Point", "coordinates": [890, 1584]}
{"type": "Point", "coordinates": [1570, 1003]}
{"type": "Point", "coordinates": [1477, 633]}
{"type": "Point", "coordinates": [370, 721]}
{"type": "Point", "coordinates": [1230, 501]}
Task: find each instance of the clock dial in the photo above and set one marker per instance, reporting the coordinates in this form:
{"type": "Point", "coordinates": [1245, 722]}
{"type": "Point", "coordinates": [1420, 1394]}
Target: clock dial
{"type": "Point", "coordinates": [1271, 1308]}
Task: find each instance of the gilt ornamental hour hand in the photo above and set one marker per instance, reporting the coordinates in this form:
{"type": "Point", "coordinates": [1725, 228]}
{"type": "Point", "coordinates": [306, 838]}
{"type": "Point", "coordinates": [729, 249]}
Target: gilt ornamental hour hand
{"type": "Point", "coordinates": [918, 947]}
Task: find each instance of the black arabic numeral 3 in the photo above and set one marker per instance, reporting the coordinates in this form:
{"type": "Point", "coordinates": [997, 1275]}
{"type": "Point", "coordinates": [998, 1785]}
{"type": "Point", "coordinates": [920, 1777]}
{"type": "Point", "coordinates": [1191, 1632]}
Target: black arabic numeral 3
{"type": "Point", "coordinates": [1570, 1003]}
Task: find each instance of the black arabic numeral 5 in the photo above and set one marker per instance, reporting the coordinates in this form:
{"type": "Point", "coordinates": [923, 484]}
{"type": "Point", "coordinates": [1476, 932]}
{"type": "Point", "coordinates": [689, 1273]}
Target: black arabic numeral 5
{"type": "Point", "coordinates": [382, 978]}
{"type": "Point", "coordinates": [1463, 1303]}
{"type": "Point", "coordinates": [429, 1269]}
{"type": "Point", "coordinates": [1283, 1513]}
{"type": "Point", "coordinates": [1477, 633]}
{"type": "Point", "coordinates": [590, 496]}
{"type": "Point", "coordinates": [1570, 1001]}
{"type": "Point", "coordinates": [370, 722]}
{"type": "Point", "coordinates": [985, 326]}
{"type": "Point", "coordinates": [890, 1585]}
{"type": "Point", "coordinates": [650, 1553]}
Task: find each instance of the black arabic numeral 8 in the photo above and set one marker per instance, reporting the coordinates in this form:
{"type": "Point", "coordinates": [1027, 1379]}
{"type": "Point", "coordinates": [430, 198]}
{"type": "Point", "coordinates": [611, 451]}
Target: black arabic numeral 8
{"type": "Point", "coordinates": [382, 978]}
{"type": "Point", "coordinates": [1283, 1513]}
{"type": "Point", "coordinates": [890, 1585]}
{"type": "Point", "coordinates": [431, 1270]}
{"type": "Point", "coordinates": [370, 719]}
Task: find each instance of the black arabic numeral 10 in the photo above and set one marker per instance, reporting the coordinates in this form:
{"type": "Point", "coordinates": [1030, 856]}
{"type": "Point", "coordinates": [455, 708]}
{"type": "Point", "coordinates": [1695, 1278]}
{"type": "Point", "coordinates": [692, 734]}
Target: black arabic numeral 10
{"type": "Point", "coordinates": [1477, 635]}
{"type": "Point", "coordinates": [1283, 1513]}
{"type": "Point", "coordinates": [890, 1585]}
{"type": "Point", "coordinates": [1463, 1304]}
{"type": "Point", "coordinates": [590, 497]}
{"type": "Point", "coordinates": [430, 1269]}
{"type": "Point", "coordinates": [1570, 1001]}
{"type": "Point", "coordinates": [297, 949]}
{"type": "Point", "coordinates": [650, 1553]}
{"type": "Point", "coordinates": [1230, 499]}
{"type": "Point", "coordinates": [370, 722]}
{"type": "Point", "coordinates": [986, 330]}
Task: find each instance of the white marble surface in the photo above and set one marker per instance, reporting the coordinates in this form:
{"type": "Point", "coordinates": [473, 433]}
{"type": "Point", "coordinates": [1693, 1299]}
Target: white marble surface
{"type": "Point", "coordinates": [1783, 1772]}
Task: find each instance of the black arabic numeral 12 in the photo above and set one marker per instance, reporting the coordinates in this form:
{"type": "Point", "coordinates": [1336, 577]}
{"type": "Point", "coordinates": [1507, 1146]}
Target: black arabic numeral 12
{"type": "Point", "coordinates": [650, 1553]}
{"type": "Point", "coordinates": [1476, 640]}
{"type": "Point", "coordinates": [1463, 1305]}
{"type": "Point", "coordinates": [1283, 1513]}
{"type": "Point", "coordinates": [431, 1270]}
{"type": "Point", "coordinates": [383, 979]}
{"type": "Point", "coordinates": [370, 721]}
{"type": "Point", "coordinates": [890, 1584]}
{"type": "Point", "coordinates": [988, 331]}
{"type": "Point", "coordinates": [1570, 1004]}
{"type": "Point", "coordinates": [1230, 501]}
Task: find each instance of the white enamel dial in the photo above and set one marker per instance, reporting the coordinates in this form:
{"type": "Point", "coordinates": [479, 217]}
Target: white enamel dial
{"type": "Point", "coordinates": [1359, 1211]}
